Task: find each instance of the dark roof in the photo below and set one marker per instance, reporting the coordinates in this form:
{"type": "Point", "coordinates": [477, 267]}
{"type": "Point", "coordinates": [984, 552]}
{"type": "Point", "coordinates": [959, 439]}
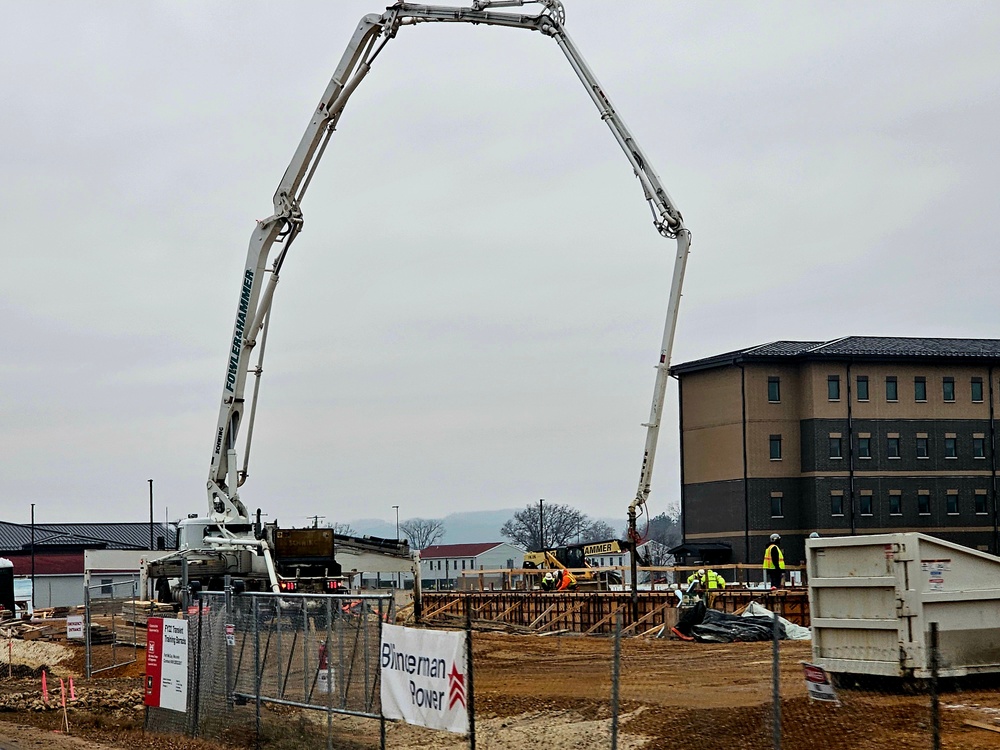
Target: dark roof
{"type": "Point", "coordinates": [694, 548]}
{"type": "Point", "coordinates": [15, 536]}
{"type": "Point", "coordinates": [858, 348]}
{"type": "Point", "coordinates": [457, 550]}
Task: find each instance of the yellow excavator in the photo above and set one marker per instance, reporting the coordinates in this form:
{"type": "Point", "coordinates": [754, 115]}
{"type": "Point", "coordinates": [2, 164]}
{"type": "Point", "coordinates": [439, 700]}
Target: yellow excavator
{"type": "Point", "coordinates": [571, 568]}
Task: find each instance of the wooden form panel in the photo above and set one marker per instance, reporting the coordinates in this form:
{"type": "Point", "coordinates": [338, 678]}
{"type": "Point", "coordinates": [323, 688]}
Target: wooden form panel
{"type": "Point", "coordinates": [548, 612]}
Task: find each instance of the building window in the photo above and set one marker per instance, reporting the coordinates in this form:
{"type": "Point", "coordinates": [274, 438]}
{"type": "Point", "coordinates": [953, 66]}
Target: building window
{"type": "Point", "coordinates": [774, 390]}
{"type": "Point", "coordinates": [107, 586]}
{"type": "Point", "coordinates": [951, 501]}
{"type": "Point", "coordinates": [979, 447]}
{"type": "Point", "coordinates": [835, 448]}
{"type": "Point", "coordinates": [864, 447]}
{"type": "Point", "coordinates": [833, 388]}
{"type": "Point", "coordinates": [922, 447]}
{"type": "Point", "coordinates": [866, 505]}
{"type": "Point", "coordinates": [924, 505]}
{"type": "Point", "coordinates": [776, 506]}
{"type": "Point", "coordinates": [775, 442]}
{"type": "Point", "coordinates": [862, 387]}
{"type": "Point", "coordinates": [836, 505]}
{"type": "Point", "coordinates": [977, 390]}
{"type": "Point", "coordinates": [895, 505]}
{"type": "Point", "coordinates": [920, 388]}
{"type": "Point", "coordinates": [463, 564]}
{"type": "Point", "coordinates": [891, 389]}
{"type": "Point", "coordinates": [980, 503]}
{"type": "Point", "coordinates": [951, 447]}
{"type": "Point", "coordinates": [948, 389]}
{"type": "Point", "coordinates": [892, 447]}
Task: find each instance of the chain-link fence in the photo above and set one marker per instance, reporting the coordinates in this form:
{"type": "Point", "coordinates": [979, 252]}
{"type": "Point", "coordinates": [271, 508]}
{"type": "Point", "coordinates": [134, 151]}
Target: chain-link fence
{"type": "Point", "coordinates": [303, 671]}
{"type": "Point", "coordinates": [272, 668]}
{"type": "Point", "coordinates": [111, 637]}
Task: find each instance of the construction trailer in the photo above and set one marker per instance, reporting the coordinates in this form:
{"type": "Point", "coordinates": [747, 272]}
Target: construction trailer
{"type": "Point", "coordinates": [873, 598]}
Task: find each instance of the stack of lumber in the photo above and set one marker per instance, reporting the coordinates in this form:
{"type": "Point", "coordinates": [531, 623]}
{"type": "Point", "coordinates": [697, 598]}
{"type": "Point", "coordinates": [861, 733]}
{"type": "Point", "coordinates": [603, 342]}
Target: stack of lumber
{"type": "Point", "coordinates": [49, 613]}
{"type": "Point", "coordinates": [27, 631]}
{"type": "Point", "coordinates": [100, 635]}
{"type": "Point", "coordinates": [136, 612]}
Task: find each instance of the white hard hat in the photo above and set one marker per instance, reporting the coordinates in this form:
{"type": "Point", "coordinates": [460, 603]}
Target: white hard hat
{"type": "Point", "coordinates": [814, 535]}
{"type": "Point", "coordinates": [775, 537]}
{"type": "Point", "coordinates": [548, 576]}
{"type": "Point", "coordinates": [701, 571]}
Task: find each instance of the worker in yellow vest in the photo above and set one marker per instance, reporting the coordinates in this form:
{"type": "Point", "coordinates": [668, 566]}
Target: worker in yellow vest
{"type": "Point", "coordinates": [709, 582]}
{"type": "Point", "coordinates": [774, 562]}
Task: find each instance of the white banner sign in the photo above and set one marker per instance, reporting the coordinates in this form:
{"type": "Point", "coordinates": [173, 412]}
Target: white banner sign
{"type": "Point", "coordinates": [425, 678]}
{"type": "Point", "coordinates": [74, 626]}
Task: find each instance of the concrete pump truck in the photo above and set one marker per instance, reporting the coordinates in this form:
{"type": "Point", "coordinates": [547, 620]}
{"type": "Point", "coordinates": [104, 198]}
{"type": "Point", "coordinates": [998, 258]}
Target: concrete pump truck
{"type": "Point", "coordinates": [228, 541]}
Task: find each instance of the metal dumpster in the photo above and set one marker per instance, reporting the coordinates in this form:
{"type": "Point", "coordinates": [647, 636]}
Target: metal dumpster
{"type": "Point", "coordinates": [872, 599]}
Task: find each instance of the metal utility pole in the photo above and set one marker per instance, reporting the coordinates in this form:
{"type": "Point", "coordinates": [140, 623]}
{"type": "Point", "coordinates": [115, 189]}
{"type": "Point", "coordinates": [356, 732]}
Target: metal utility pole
{"type": "Point", "coordinates": [315, 520]}
{"type": "Point", "coordinates": [32, 556]}
{"type": "Point", "coordinates": [151, 514]}
{"type": "Point", "coordinates": [541, 526]}
{"type": "Point", "coordinates": [399, 576]}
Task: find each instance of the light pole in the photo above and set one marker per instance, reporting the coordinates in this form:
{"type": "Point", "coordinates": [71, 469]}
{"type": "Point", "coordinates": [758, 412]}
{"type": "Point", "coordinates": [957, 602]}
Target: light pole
{"type": "Point", "coordinates": [541, 526]}
{"type": "Point", "coordinates": [32, 556]}
{"type": "Point", "coordinates": [399, 579]}
{"type": "Point", "coordinates": [150, 514]}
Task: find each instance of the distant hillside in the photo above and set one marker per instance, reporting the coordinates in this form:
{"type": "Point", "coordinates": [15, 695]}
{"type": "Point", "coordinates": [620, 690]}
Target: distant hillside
{"type": "Point", "coordinates": [463, 528]}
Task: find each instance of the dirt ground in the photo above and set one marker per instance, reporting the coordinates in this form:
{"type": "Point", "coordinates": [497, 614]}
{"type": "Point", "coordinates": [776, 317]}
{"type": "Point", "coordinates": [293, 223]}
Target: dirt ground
{"type": "Point", "coordinates": [552, 692]}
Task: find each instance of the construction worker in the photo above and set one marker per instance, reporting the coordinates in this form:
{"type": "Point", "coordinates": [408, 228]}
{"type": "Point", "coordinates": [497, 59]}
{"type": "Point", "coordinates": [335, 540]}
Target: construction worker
{"type": "Point", "coordinates": [709, 582]}
{"type": "Point", "coordinates": [774, 562]}
{"type": "Point", "coordinates": [548, 581]}
{"type": "Point", "coordinates": [564, 580]}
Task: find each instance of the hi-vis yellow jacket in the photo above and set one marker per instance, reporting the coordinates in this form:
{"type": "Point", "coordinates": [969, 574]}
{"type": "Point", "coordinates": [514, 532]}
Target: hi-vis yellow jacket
{"type": "Point", "coordinates": [768, 563]}
{"type": "Point", "coordinates": [711, 580]}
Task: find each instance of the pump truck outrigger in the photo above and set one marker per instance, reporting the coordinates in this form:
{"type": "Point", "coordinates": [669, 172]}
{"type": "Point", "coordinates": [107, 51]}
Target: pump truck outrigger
{"type": "Point", "coordinates": [227, 541]}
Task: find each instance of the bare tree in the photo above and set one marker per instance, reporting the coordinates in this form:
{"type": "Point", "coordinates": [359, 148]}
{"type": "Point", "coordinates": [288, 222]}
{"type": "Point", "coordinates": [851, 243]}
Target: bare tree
{"type": "Point", "coordinates": [422, 532]}
{"type": "Point", "coordinates": [597, 531]}
{"type": "Point", "coordinates": [344, 529]}
{"type": "Point", "coordinates": [560, 524]}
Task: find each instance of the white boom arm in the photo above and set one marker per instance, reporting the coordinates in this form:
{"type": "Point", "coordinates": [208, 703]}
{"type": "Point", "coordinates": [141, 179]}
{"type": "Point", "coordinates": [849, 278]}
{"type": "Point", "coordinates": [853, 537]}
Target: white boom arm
{"type": "Point", "coordinates": [283, 226]}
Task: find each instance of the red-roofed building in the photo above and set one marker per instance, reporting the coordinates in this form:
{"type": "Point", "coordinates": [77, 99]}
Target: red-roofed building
{"type": "Point", "coordinates": [441, 565]}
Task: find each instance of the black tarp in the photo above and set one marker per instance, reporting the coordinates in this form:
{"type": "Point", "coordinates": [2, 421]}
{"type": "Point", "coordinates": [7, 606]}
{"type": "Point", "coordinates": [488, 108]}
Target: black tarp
{"type": "Point", "coordinates": [721, 627]}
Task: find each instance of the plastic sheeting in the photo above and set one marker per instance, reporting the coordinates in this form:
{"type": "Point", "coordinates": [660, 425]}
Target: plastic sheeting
{"type": "Point", "coordinates": [755, 624]}
{"type": "Point", "coordinates": [793, 632]}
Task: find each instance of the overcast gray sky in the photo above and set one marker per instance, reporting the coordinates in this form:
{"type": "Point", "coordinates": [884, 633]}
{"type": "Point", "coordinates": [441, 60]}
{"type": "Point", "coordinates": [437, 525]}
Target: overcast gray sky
{"type": "Point", "coordinates": [471, 316]}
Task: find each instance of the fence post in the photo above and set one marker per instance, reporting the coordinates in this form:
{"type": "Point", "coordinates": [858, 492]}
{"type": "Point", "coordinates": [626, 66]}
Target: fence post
{"type": "Point", "coordinates": [471, 694]}
{"type": "Point", "coordinates": [776, 683]}
{"type": "Point", "coordinates": [86, 629]}
{"type": "Point", "coordinates": [228, 587]}
{"type": "Point", "coordinates": [256, 665]}
{"type": "Point", "coordinates": [935, 702]}
{"type": "Point", "coordinates": [329, 674]}
{"type": "Point", "coordinates": [616, 665]}
{"type": "Point", "coordinates": [197, 672]}
{"type": "Point", "coordinates": [381, 715]}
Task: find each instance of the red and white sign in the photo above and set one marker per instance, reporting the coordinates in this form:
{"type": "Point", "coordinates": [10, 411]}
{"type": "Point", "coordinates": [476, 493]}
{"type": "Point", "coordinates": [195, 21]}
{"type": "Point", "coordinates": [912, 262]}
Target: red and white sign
{"type": "Point", "coordinates": [425, 678]}
{"type": "Point", "coordinates": [818, 684]}
{"type": "Point", "coordinates": [167, 663]}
